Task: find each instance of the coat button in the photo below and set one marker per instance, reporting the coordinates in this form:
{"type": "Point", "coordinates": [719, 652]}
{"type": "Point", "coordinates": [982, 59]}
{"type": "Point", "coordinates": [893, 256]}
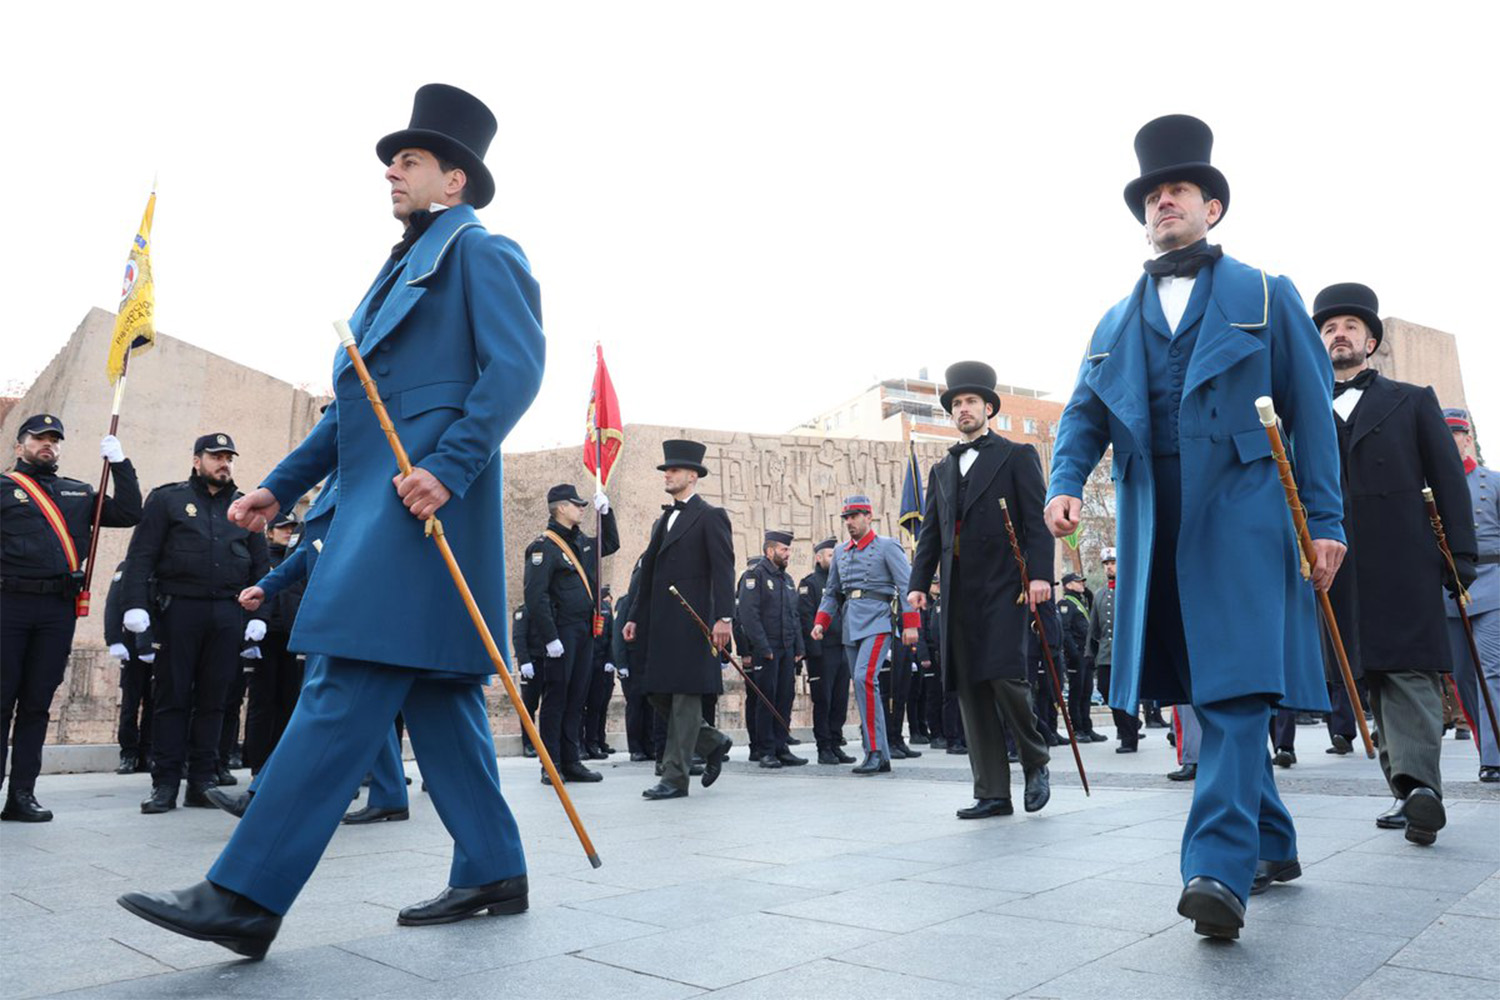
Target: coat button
{"type": "Point", "coordinates": [383, 369]}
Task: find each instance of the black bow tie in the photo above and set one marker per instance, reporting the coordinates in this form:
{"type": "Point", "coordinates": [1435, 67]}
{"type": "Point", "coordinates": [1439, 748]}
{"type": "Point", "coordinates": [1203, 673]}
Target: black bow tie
{"type": "Point", "coordinates": [1361, 382]}
{"type": "Point", "coordinates": [1184, 262]}
{"type": "Point", "coordinates": [675, 505]}
{"type": "Point", "coordinates": [980, 442]}
{"type": "Point", "coordinates": [416, 224]}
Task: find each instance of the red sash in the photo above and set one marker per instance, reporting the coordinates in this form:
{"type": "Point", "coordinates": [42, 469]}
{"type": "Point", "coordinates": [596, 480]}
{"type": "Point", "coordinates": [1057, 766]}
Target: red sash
{"type": "Point", "coordinates": [59, 525]}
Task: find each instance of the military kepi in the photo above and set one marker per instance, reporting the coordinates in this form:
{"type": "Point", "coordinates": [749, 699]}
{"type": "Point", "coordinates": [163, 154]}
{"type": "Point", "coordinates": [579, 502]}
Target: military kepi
{"type": "Point", "coordinates": [1175, 148]}
{"type": "Point", "coordinates": [1457, 420]}
{"type": "Point", "coordinates": [1349, 298]}
{"type": "Point", "coordinates": [42, 423]}
{"type": "Point", "coordinates": [678, 453]}
{"type": "Point", "coordinates": [856, 504]}
{"type": "Point", "coordinates": [453, 125]}
{"type": "Point", "coordinates": [565, 491]}
{"type": "Point", "coordinates": [214, 443]}
{"type": "Point", "coordinates": [970, 376]}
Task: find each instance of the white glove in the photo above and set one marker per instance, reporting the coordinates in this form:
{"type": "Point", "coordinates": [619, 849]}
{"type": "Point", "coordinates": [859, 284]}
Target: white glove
{"type": "Point", "coordinates": [110, 450]}
{"type": "Point", "coordinates": [554, 648]}
{"type": "Point", "coordinates": [601, 502]}
{"type": "Point", "coordinates": [623, 673]}
{"type": "Point", "coordinates": [137, 620]}
{"type": "Point", "coordinates": [609, 668]}
{"type": "Point", "coordinates": [914, 668]}
{"type": "Point", "coordinates": [528, 671]}
{"type": "Point", "coordinates": [147, 657]}
{"type": "Point", "coordinates": [255, 630]}
{"type": "Point", "coordinates": [119, 652]}
{"type": "Point", "coordinates": [250, 653]}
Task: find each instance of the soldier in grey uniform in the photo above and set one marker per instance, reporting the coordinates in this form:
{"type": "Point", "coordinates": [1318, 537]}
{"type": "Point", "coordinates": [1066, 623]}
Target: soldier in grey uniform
{"type": "Point", "coordinates": [1484, 598]}
{"type": "Point", "coordinates": [1099, 654]}
{"type": "Point", "coordinates": [868, 574]}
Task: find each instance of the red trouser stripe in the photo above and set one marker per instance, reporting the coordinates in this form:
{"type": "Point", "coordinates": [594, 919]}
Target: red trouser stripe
{"type": "Point", "coordinates": [1177, 730]}
{"type": "Point", "coordinates": [871, 704]}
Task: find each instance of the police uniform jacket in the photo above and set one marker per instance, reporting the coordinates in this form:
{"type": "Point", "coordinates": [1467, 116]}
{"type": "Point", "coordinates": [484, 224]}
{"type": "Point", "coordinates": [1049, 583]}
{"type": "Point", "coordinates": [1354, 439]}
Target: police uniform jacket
{"type": "Point", "coordinates": [932, 646]}
{"type": "Point", "coordinates": [1073, 616]}
{"type": "Point", "coordinates": [963, 523]}
{"type": "Point", "coordinates": [31, 557]}
{"type": "Point", "coordinates": [114, 620]}
{"type": "Point", "coordinates": [520, 639]}
{"type": "Point", "coordinates": [620, 651]}
{"type": "Point", "coordinates": [1101, 643]}
{"type": "Point", "coordinates": [186, 541]}
{"type": "Point", "coordinates": [1484, 500]}
{"type": "Point", "coordinates": [697, 556]}
{"type": "Point", "coordinates": [867, 580]}
{"type": "Point", "coordinates": [768, 611]}
{"type": "Point", "coordinates": [1400, 443]}
{"type": "Point", "coordinates": [452, 334]}
{"type": "Point", "coordinates": [555, 595]}
{"type": "Point", "coordinates": [1052, 629]}
{"type": "Point", "coordinates": [293, 572]}
{"type": "Point", "coordinates": [809, 597]}
{"type": "Point", "coordinates": [280, 612]}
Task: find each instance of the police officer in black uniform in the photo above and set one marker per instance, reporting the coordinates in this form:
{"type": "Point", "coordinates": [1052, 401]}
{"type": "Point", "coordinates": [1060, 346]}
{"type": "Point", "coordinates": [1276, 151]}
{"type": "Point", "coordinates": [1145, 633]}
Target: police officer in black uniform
{"type": "Point", "coordinates": [1073, 611]}
{"type": "Point", "coordinates": [560, 619]}
{"type": "Point", "coordinates": [40, 579]}
{"type": "Point", "coordinates": [768, 614]}
{"type": "Point", "coordinates": [136, 654]}
{"type": "Point", "coordinates": [199, 562]}
{"type": "Point", "coordinates": [827, 667]}
{"type": "Point", "coordinates": [273, 672]}
{"type": "Point", "coordinates": [601, 684]}
{"type": "Point", "coordinates": [750, 705]}
{"type": "Point", "coordinates": [526, 659]}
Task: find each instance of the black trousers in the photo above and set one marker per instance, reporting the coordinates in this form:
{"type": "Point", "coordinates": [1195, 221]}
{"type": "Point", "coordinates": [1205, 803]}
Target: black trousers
{"type": "Point", "coordinates": [828, 679]}
{"type": "Point", "coordinates": [932, 703]}
{"type": "Point", "coordinates": [596, 707]}
{"type": "Point", "coordinates": [1127, 724]}
{"type": "Point", "coordinates": [953, 719]}
{"type": "Point", "coordinates": [638, 714]}
{"type": "Point", "coordinates": [195, 666]}
{"type": "Point", "coordinates": [565, 687]}
{"type": "Point", "coordinates": [895, 688]}
{"type": "Point", "coordinates": [1341, 718]}
{"type": "Point", "coordinates": [136, 704]}
{"type": "Point", "coordinates": [531, 698]}
{"type": "Point", "coordinates": [1080, 694]}
{"type": "Point", "coordinates": [1284, 729]}
{"type": "Point", "coordinates": [234, 705]}
{"type": "Point", "coordinates": [274, 683]}
{"type": "Point", "coordinates": [775, 678]}
{"type": "Point", "coordinates": [36, 635]}
{"type": "Point", "coordinates": [752, 710]}
{"type": "Point", "coordinates": [1043, 699]}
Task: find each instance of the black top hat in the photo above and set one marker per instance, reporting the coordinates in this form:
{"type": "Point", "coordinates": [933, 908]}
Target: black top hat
{"type": "Point", "coordinates": [1349, 299]}
{"type": "Point", "coordinates": [565, 491]}
{"type": "Point", "coordinates": [1175, 148]}
{"type": "Point", "coordinates": [680, 454]}
{"type": "Point", "coordinates": [42, 423]}
{"type": "Point", "coordinates": [454, 125]}
{"type": "Point", "coordinates": [970, 376]}
{"type": "Point", "coordinates": [214, 442]}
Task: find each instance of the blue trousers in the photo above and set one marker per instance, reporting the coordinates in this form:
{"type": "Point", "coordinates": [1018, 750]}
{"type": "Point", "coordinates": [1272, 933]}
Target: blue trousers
{"type": "Point", "coordinates": [1237, 815]}
{"type": "Point", "coordinates": [1486, 626]}
{"type": "Point", "coordinates": [387, 776]}
{"type": "Point", "coordinates": [865, 659]}
{"type": "Point", "coordinates": [342, 719]}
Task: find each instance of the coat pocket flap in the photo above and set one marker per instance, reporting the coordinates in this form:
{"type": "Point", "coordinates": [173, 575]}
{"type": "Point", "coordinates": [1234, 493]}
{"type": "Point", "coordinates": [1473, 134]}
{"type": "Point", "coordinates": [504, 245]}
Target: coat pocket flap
{"type": "Point", "coordinates": [1119, 465]}
{"type": "Point", "coordinates": [1252, 445]}
{"type": "Point", "coordinates": [422, 398]}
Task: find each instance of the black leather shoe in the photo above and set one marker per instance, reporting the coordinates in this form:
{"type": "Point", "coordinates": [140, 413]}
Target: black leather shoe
{"type": "Point", "coordinates": [225, 778]}
{"type": "Point", "coordinates": [983, 808]}
{"type": "Point", "coordinates": [1425, 816]}
{"type": "Point", "coordinates": [872, 765]}
{"type": "Point", "coordinates": [1052, 739]}
{"type": "Point", "coordinates": [21, 806]}
{"type": "Point", "coordinates": [527, 750]}
{"type": "Point", "coordinates": [1129, 749]}
{"type": "Point", "coordinates": [828, 757]}
{"type": "Point", "coordinates": [1393, 818]}
{"type": "Point", "coordinates": [843, 740]}
{"type": "Point", "coordinates": [209, 913]}
{"type": "Point", "coordinates": [906, 751]}
{"type": "Point", "coordinates": [596, 754]}
{"type": "Point", "coordinates": [1187, 772]}
{"type": "Point", "coordinates": [234, 805]}
{"type": "Point", "coordinates": [1214, 910]}
{"type": "Point", "coordinates": [1098, 738]}
{"type": "Point", "coordinates": [575, 771]}
{"type": "Point", "coordinates": [639, 758]}
{"type": "Point", "coordinates": [792, 741]}
{"type": "Point", "coordinates": [1038, 789]}
{"type": "Point", "coordinates": [1284, 758]}
{"type": "Point", "coordinates": [128, 762]}
{"type": "Point", "coordinates": [662, 790]}
{"type": "Point", "coordinates": [770, 762]}
{"type": "Point", "coordinates": [1461, 734]}
{"type": "Point", "coordinates": [958, 749]}
{"type": "Point", "coordinates": [658, 769]}
{"type": "Point", "coordinates": [197, 797]}
{"type": "Point", "coordinates": [1267, 872]}
{"type": "Point", "coordinates": [843, 758]}
{"type": "Point", "coordinates": [713, 764]}
{"type": "Point", "coordinates": [606, 749]}
{"type": "Point", "coordinates": [163, 798]}
{"type": "Point", "coordinates": [921, 738]}
{"type": "Point", "coordinates": [938, 743]}
{"type": "Point", "coordinates": [1489, 775]}
{"type": "Point", "coordinates": [790, 759]}
{"type": "Point", "coordinates": [695, 770]}
{"type": "Point", "coordinates": [375, 814]}
{"type": "Point", "coordinates": [505, 896]}
{"type": "Point", "coordinates": [1341, 745]}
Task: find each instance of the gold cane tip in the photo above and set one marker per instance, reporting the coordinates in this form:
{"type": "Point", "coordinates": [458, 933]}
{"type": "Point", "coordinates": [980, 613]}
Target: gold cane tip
{"type": "Point", "coordinates": [1003, 504]}
{"type": "Point", "coordinates": [1427, 493]}
{"type": "Point", "coordinates": [594, 860]}
{"type": "Point", "coordinates": [346, 337]}
{"type": "Point", "coordinates": [1267, 411]}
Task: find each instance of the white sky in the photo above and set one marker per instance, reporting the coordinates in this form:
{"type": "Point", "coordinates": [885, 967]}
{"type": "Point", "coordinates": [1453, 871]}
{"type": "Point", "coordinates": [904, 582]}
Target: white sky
{"type": "Point", "coordinates": [758, 208]}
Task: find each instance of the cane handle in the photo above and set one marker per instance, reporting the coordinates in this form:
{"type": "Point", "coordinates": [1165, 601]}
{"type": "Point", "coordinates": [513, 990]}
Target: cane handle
{"type": "Point", "coordinates": [1267, 411]}
{"type": "Point", "coordinates": [346, 336]}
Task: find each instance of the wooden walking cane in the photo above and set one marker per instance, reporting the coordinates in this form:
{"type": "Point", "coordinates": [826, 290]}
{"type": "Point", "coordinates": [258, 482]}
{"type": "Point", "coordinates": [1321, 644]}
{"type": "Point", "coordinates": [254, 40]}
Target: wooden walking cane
{"type": "Point", "coordinates": [434, 529]}
{"type": "Point", "coordinates": [1267, 411]}
{"type": "Point", "coordinates": [709, 636]}
{"type": "Point", "coordinates": [1462, 600]}
{"type": "Point", "coordinates": [1036, 619]}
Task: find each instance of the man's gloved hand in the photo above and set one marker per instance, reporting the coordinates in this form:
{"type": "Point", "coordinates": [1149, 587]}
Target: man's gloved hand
{"type": "Point", "coordinates": [622, 672]}
{"type": "Point", "coordinates": [609, 668]}
{"type": "Point", "coordinates": [118, 651]}
{"type": "Point", "coordinates": [137, 620]}
{"type": "Point", "coordinates": [110, 449]}
{"type": "Point", "coordinates": [250, 653]}
{"type": "Point", "coordinates": [255, 630]}
{"type": "Point", "coordinates": [147, 657]}
{"type": "Point", "coordinates": [601, 502]}
{"type": "Point", "coordinates": [528, 671]}
{"type": "Point", "coordinates": [915, 667]}
{"type": "Point", "coordinates": [555, 648]}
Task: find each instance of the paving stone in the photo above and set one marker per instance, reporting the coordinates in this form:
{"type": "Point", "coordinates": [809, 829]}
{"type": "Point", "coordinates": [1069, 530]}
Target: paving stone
{"type": "Point", "coordinates": [1101, 902]}
{"type": "Point", "coordinates": [1028, 872]}
{"type": "Point", "coordinates": [826, 979]}
{"type": "Point", "coordinates": [833, 874]}
{"type": "Point", "coordinates": [1105, 847]}
{"type": "Point", "coordinates": [693, 903]}
{"type": "Point", "coordinates": [547, 979]}
{"type": "Point", "coordinates": [1482, 902]}
{"type": "Point", "coordinates": [1380, 908]}
{"type": "Point", "coordinates": [1103, 980]}
{"type": "Point", "coordinates": [1458, 945]}
{"type": "Point", "coordinates": [65, 963]}
{"type": "Point", "coordinates": [898, 906]}
{"type": "Point", "coordinates": [1417, 868]}
{"type": "Point", "coordinates": [1391, 982]}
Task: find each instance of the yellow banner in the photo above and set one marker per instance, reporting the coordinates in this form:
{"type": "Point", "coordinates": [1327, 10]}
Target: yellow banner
{"type": "Point", "coordinates": [135, 323]}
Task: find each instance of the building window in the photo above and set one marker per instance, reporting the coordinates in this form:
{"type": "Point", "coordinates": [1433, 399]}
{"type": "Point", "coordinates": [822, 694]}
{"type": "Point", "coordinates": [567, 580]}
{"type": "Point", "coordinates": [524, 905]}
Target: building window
{"type": "Point", "coordinates": [1002, 422]}
{"type": "Point", "coordinates": [1028, 426]}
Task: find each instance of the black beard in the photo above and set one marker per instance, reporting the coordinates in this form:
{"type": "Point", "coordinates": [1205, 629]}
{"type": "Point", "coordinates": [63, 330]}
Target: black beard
{"type": "Point", "coordinates": [1348, 362]}
{"type": "Point", "coordinates": [49, 468]}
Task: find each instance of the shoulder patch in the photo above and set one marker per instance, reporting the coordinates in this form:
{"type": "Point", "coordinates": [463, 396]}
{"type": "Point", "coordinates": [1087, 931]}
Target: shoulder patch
{"type": "Point", "coordinates": [802, 589]}
{"type": "Point", "coordinates": [750, 582]}
{"type": "Point", "coordinates": [536, 559]}
{"type": "Point", "coordinates": [520, 614]}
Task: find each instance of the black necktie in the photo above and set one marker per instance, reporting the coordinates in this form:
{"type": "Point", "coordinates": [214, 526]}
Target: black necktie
{"type": "Point", "coordinates": [1361, 381]}
{"type": "Point", "coordinates": [416, 224]}
{"type": "Point", "coordinates": [963, 446]}
{"type": "Point", "coordinates": [675, 505]}
{"type": "Point", "coordinates": [1184, 262]}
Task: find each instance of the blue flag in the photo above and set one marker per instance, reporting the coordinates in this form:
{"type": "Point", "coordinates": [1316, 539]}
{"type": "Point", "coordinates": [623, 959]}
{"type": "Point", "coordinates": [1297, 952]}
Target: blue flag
{"type": "Point", "coordinates": [911, 495]}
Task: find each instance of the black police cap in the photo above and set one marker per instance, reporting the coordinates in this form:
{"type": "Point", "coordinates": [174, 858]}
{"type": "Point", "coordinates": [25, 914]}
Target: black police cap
{"type": "Point", "coordinates": [564, 491]}
{"type": "Point", "coordinates": [214, 442]}
{"type": "Point", "coordinates": [42, 423]}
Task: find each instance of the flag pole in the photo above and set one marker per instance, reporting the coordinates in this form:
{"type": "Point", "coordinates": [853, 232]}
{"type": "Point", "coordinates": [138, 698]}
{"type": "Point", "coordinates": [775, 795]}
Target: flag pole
{"type": "Point", "coordinates": [114, 425]}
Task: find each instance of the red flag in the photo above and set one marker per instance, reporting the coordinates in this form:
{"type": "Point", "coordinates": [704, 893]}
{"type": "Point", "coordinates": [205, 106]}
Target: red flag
{"type": "Point", "coordinates": [606, 434]}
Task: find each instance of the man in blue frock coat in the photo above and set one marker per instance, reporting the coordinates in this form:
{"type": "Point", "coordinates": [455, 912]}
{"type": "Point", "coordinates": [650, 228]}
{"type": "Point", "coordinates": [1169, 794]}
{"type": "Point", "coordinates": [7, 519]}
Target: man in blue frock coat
{"type": "Point", "coordinates": [1170, 379]}
{"type": "Point", "coordinates": [451, 330]}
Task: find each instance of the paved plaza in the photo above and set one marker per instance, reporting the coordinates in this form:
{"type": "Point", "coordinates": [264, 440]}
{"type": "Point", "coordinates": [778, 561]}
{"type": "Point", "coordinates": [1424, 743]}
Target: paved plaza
{"type": "Point", "coordinates": [808, 883]}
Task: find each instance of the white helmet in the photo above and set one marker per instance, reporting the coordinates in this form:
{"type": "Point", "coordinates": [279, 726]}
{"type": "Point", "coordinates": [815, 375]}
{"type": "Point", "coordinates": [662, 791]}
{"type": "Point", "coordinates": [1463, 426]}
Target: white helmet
{"type": "Point", "coordinates": [1108, 555]}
